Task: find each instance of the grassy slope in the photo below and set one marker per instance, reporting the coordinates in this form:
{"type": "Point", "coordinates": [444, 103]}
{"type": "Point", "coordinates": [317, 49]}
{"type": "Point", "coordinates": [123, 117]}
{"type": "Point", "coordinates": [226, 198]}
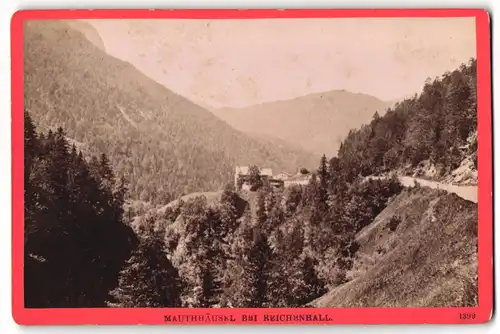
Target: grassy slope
{"type": "Point", "coordinates": [316, 122]}
{"type": "Point", "coordinates": [161, 141]}
{"type": "Point", "coordinates": [430, 260]}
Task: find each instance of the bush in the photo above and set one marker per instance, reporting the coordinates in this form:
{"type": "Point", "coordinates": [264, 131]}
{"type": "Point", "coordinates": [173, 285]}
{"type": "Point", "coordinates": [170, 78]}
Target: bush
{"type": "Point", "coordinates": [304, 171]}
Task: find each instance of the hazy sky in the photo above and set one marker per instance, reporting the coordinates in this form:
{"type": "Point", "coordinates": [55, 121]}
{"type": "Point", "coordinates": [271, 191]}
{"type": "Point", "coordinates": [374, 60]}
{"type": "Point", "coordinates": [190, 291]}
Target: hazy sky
{"type": "Point", "coordinates": [244, 62]}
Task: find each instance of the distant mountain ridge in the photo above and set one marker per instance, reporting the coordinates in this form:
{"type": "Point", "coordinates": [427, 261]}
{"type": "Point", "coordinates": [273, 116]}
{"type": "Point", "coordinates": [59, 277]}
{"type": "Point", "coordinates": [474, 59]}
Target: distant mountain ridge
{"type": "Point", "coordinates": [164, 144]}
{"type": "Point", "coordinates": [317, 122]}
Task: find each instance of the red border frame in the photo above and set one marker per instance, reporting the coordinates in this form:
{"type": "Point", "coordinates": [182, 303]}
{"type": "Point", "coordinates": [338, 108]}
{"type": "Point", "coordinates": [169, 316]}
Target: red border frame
{"type": "Point", "coordinates": [339, 315]}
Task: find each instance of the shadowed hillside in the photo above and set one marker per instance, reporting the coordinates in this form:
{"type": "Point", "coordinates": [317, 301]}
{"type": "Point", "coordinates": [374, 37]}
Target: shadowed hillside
{"type": "Point", "coordinates": [161, 142]}
{"type": "Point", "coordinates": [316, 122]}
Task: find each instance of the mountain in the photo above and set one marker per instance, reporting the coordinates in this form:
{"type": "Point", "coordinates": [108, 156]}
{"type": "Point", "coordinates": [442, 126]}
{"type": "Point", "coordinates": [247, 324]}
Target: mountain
{"type": "Point", "coordinates": [164, 144]}
{"type": "Point", "coordinates": [316, 122]}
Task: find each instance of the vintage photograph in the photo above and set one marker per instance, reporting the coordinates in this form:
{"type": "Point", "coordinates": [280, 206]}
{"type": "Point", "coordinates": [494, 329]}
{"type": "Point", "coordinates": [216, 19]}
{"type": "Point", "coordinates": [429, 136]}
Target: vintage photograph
{"type": "Point", "coordinates": [259, 163]}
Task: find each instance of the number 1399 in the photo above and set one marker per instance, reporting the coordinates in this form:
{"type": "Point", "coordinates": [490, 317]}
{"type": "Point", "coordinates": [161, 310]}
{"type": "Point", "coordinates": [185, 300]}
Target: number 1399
{"type": "Point", "coordinates": [467, 316]}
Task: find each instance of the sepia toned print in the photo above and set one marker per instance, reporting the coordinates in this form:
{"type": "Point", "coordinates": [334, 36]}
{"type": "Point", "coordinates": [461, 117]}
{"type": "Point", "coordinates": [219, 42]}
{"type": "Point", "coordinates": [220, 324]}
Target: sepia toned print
{"type": "Point", "coordinates": [291, 163]}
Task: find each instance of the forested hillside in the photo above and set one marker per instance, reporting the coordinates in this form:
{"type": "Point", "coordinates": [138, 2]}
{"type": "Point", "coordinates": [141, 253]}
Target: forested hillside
{"type": "Point", "coordinates": [437, 127]}
{"type": "Point", "coordinates": [162, 143]}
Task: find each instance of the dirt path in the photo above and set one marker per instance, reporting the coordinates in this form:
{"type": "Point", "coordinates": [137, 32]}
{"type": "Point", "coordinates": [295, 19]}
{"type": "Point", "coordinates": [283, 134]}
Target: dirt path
{"type": "Point", "coordinates": [466, 192]}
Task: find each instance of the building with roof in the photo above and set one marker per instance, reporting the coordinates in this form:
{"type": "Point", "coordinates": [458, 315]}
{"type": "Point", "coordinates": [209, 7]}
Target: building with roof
{"type": "Point", "coordinates": [279, 181]}
{"type": "Point", "coordinates": [299, 179]}
{"type": "Point", "coordinates": [242, 173]}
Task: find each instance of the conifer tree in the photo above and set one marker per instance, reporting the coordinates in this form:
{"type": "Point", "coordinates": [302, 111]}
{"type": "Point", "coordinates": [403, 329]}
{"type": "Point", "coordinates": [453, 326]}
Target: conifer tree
{"type": "Point", "coordinates": [324, 180]}
{"type": "Point", "coordinates": [257, 267]}
{"type": "Point", "coordinates": [261, 210]}
{"type": "Point", "coordinates": [30, 143]}
{"type": "Point", "coordinates": [30, 152]}
{"type": "Point", "coordinates": [148, 278]}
